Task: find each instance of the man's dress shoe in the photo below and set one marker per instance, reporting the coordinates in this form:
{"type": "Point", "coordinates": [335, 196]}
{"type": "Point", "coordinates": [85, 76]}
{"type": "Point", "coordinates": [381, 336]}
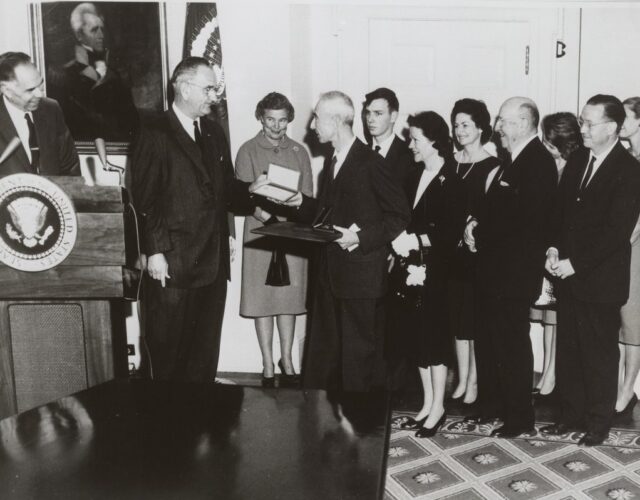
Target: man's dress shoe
{"type": "Point", "coordinates": [480, 419]}
{"type": "Point", "coordinates": [593, 438]}
{"type": "Point", "coordinates": [558, 429]}
{"type": "Point", "coordinates": [508, 432]}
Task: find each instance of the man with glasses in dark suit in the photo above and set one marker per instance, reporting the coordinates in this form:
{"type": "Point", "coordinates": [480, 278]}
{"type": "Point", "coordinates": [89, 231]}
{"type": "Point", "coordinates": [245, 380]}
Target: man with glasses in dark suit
{"type": "Point", "coordinates": [598, 206]}
{"type": "Point", "coordinates": [183, 185]}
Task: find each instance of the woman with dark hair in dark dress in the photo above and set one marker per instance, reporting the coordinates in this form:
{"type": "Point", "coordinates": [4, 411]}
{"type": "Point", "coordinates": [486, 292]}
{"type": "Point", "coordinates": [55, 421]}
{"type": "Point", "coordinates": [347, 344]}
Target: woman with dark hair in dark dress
{"type": "Point", "coordinates": [472, 130]}
{"type": "Point", "coordinates": [424, 253]}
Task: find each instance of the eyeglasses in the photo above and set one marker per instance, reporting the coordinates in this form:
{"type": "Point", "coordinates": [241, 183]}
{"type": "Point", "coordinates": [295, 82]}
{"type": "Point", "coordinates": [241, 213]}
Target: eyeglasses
{"type": "Point", "coordinates": [209, 90]}
{"type": "Point", "coordinates": [589, 125]}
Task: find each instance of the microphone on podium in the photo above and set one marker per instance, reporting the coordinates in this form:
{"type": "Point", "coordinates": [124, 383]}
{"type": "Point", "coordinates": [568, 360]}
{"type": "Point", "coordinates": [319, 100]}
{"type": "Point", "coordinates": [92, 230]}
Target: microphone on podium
{"type": "Point", "coordinates": [11, 147]}
{"type": "Point", "coordinates": [101, 148]}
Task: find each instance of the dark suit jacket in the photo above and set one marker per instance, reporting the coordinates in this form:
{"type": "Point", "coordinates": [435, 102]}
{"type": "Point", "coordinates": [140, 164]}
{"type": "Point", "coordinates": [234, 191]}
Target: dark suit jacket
{"type": "Point", "coordinates": [514, 220]}
{"type": "Point", "coordinates": [184, 198]}
{"type": "Point", "coordinates": [440, 214]}
{"type": "Point", "coordinates": [400, 160]}
{"type": "Point", "coordinates": [593, 228]}
{"type": "Point", "coordinates": [58, 154]}
{"type": "Point", "coordinates": [363, 193]}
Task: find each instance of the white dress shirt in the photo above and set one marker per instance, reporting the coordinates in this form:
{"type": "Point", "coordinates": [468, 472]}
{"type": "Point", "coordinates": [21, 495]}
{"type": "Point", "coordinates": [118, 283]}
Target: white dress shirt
{"type": "Point", "coordinates": [385, 145]}
{"type": "Point", "coordinates": [342, 155]}
{"type": "Point", "coordinates": [20, 123]}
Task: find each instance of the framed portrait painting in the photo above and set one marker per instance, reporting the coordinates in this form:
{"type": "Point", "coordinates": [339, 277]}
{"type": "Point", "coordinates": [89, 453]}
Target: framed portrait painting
{"type": "Point", "coordinates": [105, 63]}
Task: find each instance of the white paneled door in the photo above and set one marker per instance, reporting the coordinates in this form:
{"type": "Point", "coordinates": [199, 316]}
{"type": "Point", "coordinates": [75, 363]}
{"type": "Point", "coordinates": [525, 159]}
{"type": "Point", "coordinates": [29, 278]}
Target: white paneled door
{"type": "Point", "coordinates": [432, 57]}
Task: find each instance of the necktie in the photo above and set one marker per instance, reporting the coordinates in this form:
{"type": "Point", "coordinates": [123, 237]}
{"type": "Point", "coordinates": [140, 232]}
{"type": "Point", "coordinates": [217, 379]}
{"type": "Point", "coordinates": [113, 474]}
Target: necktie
{"type": "Point", "coordinates": [198, 136]}
{"type": "Point", "coordinates": [587, 176]}
{"type": "Point", "coordinates": [33, 144]}
{"type": "Point", "coordinates": [377, 149]}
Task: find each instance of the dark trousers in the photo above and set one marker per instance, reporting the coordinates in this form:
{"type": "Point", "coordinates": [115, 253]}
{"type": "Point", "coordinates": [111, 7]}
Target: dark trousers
{"type": "Point", "coordinates": [504, 360]}
{"type": "Point", "coordinates": [587, 362]}
{"type": "Point", "coordinates": [182, 329]}
{"type": "Point", "coordinates": [344, 345]}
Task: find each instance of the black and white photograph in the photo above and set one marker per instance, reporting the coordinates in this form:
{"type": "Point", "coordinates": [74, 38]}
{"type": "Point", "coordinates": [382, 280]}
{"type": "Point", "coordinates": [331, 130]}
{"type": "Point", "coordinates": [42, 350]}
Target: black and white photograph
{"type": "Point", "coordinates": [310, 249]}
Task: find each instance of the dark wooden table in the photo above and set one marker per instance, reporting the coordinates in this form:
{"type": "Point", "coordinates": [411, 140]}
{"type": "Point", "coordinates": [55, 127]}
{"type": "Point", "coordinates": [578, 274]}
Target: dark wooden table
{"type": "Point", "coordinates": [137, 439]}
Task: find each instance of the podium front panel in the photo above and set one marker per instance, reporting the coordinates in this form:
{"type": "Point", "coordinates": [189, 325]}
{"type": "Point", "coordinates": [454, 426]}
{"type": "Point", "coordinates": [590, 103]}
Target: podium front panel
{"type": "Point", "coordinates": [48, 350]}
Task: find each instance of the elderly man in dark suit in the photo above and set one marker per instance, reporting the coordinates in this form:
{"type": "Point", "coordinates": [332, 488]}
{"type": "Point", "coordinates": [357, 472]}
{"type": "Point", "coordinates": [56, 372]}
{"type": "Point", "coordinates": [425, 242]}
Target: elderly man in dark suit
{"type": "Point", "coordinates": [183, 185]}
{"type": "Point", "coordinates": [598, 206]}
{"type": "Point", "coordinates": [509, 231]}
{"type": "Point", "coordinates": [381, 108]}
{"type": "Point", "coordinates": [46, 146]}
{"type": "Point", "coordinates": [343, 350]}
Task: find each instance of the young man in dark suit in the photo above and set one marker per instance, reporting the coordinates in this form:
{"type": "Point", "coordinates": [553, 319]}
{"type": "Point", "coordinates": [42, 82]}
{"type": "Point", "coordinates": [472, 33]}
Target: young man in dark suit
{"type": "Point", "coordinates": [344, 346]}
{"type": "Point", "coordinates": [509, 231]}
{"type": "Point", "coordinates": [46, 146]}
{"type": "Point", "coordinates": [380, 114]}
{"type": "Point", "coordinates": [183, 185]}
{"type": "Point", "coordinates": [598, 206]}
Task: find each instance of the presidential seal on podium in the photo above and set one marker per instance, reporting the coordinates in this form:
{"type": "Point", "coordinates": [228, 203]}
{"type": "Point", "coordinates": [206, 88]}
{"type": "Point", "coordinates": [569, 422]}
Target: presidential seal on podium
{"type": "Point", "coordinates": [38, 224]}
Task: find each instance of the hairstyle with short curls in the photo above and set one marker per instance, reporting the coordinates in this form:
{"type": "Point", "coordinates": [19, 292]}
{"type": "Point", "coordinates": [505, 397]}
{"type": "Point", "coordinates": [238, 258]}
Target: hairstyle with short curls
{"type": "Point", "coordinates": [562, 130]}
{"type": "Point", "coordinates": [383, 93]}
{"type": "Point", "coordinates": [76, 19]}
{"type": "Point", "coordinates": [275, 100]}
{"type": "Point", "coordinates": [434, 128]}
{"type": "Point", "coordinates": [633, 103]}
{"type": "Point", "coordinates": [347, 112]}
{"type": "Point", "coordinates": [187, 68]}
{"type": "Point", "coordinates": [9, 61]}
{"type": "Point", "coordinates": [613, 108]}
{"type": "Point", "coordinates": [479, 114]}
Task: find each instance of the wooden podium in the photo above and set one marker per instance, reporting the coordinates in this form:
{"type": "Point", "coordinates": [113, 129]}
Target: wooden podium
{"type": "Point", "coordinates": [62, 329]}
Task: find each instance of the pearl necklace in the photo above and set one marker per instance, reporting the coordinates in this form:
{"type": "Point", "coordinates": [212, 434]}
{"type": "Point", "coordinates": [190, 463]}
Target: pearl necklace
{"type": "Point", "coordinates": [467, 172]}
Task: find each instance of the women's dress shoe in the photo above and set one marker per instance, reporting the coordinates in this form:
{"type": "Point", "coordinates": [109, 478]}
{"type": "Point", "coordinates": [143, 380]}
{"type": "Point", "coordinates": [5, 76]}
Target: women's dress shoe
{"type": "Point", "coordinates": [426, 432]}
{"type": "Point", "coordinates": [287, 380]}
{"type": "Point", "coordinates": [268, 382]}
{"type": "Point", "coordinates": [412, 423]}
{"type": "Point", "coordinates": [630, 405]}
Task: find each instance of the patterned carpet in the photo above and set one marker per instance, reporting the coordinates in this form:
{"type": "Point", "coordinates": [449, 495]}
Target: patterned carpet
{"type": "Point", "coordinates": [462, 462]}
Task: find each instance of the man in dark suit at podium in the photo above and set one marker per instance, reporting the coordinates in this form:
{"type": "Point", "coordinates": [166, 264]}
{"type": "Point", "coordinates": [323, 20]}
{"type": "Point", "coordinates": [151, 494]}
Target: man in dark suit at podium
{"type": "Point", "coordinates": [598, 207]}
{"type": "Point", "coordinates": [45, 145]}
{"type": "Point", "coordinates": [380, 114]}
{"type": "Point", "coordinates": [183, 185]}
{"type": "Point", "coordinates": [344, 347]}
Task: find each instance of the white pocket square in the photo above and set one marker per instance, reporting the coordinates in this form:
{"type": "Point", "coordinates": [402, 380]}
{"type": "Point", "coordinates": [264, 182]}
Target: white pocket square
{"type": "Point", "coordinates": [505, 184]}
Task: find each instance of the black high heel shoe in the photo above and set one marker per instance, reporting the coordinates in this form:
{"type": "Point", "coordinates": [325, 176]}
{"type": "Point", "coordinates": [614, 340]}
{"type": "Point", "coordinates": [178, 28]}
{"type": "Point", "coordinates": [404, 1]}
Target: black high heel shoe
{"type": "Point", "coordinates": [412, 423]}
{"type": "Point", "coordinates": [268, 382]}
{"type": "Point", "coordinates": [426, 432]}
{"type": "Point", "coordinates": [630, 405]}
{"type": "Point", "coordinates": [287, 380]}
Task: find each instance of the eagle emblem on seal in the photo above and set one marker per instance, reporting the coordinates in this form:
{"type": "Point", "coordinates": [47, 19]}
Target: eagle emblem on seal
{"type": "Point", "coordinates": [28, 217]}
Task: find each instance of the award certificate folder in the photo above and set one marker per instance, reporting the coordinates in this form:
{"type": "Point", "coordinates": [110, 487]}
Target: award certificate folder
{"type": "Point", "coordinates": [299, 231]}
{"type": "Point", "coordinates": [283, 183]}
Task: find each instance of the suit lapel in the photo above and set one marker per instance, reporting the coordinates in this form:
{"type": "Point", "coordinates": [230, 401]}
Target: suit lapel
{"type": "Point", "coordinates": [605, 170]}
{"type": "Point", "coordinates": [351, 159]}
{"type": "Point", "coordinates": [187, 144]}
{"type": "Point", "coordinates": [8, 132]}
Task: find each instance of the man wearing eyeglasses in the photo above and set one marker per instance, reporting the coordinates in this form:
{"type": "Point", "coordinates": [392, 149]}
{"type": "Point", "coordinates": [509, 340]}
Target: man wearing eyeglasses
{"type": "Point", "coordinates": [183, 185]}
{"type": "Point", "coordinates": [509, 232]}
{"type": "Point", "coordinates": [598, 206]}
